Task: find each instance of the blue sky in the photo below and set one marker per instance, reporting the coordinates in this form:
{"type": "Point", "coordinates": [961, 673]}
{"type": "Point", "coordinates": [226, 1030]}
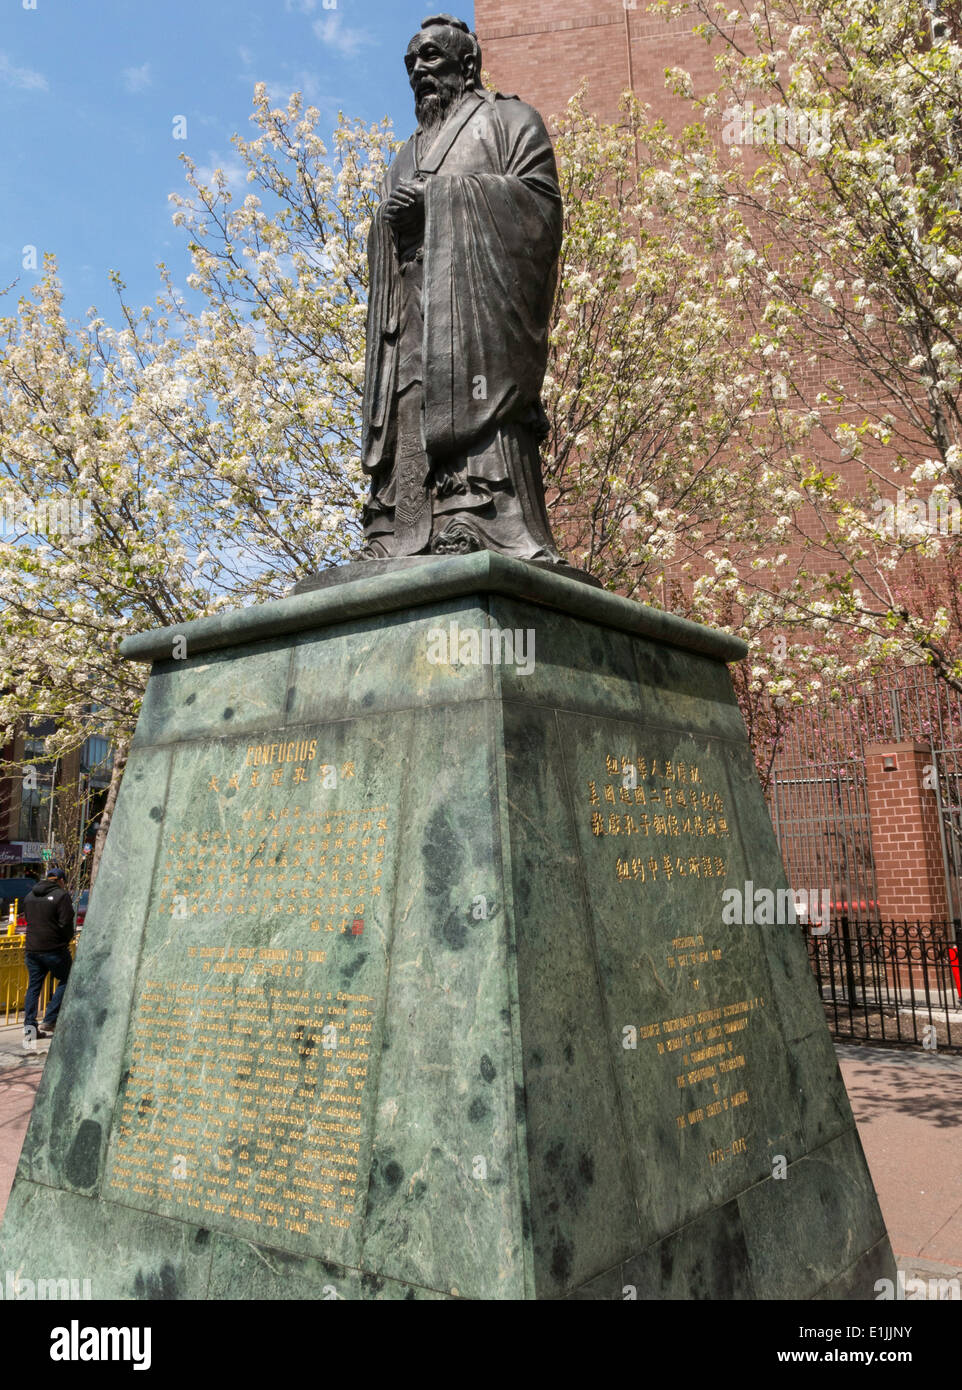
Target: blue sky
{"type": "Point", "coordinates": [89, 90]}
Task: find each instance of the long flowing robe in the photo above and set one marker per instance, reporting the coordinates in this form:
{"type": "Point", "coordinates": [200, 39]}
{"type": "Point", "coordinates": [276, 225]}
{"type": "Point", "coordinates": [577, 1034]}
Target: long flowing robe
{"type": "Point", "coordinates": [492, 236]}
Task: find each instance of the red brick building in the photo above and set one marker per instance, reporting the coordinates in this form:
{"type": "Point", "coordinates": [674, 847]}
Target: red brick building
{"type": "Point", "coordinates": [543, 50]}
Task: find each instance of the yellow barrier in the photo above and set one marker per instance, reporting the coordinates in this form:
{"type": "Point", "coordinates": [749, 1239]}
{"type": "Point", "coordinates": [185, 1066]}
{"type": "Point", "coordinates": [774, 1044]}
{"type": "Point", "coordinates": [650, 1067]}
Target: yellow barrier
{"type": "Point", "coordinates": [13, 979]}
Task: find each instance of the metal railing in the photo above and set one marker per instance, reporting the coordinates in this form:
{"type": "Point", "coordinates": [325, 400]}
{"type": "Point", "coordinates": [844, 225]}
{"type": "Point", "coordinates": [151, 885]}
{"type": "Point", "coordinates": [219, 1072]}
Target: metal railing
{"type": "Point", "coordinates": [13, 980]}
{"type": "Point", "coordinates": [891, 982]}
{"type": "Point", "coordinates": [818, 794]}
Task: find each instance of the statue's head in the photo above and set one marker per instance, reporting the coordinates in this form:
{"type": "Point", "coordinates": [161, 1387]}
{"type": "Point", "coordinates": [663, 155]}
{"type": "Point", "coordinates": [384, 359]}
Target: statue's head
{"type": "Point", "coordinates": [443, 62]}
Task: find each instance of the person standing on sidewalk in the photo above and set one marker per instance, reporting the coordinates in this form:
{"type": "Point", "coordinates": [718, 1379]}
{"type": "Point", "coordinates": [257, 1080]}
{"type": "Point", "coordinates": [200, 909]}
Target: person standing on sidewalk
{"type": "Point", "coordinates": [49, 914]}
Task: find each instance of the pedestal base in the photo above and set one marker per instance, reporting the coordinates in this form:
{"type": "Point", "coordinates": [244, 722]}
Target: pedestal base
{"type": "Point", "coordinates": [408, 974]}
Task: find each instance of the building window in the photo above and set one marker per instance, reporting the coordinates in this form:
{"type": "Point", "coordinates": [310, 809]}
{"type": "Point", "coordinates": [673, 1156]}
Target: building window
{"type": "Point", "coordinates": [96, 757]}
{"type": "Point", "coordinates": [35, 809]}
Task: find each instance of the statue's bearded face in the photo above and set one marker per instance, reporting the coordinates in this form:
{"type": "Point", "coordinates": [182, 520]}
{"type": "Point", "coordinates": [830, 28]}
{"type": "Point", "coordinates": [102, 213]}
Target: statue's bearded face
{"type": "Point", "coordinates": [436, 73]}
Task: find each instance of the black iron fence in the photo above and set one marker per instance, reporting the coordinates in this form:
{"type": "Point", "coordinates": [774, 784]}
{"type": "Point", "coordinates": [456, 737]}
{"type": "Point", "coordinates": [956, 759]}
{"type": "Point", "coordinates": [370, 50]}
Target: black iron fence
{"type": "Point", "coordinates": [818, 794]}
{"type": "Point", "coordinates": [891, 982]}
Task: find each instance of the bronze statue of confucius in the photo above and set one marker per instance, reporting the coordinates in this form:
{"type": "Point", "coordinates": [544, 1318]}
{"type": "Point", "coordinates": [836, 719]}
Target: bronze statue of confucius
{"type": "Point", "coordinates": [463, 256]}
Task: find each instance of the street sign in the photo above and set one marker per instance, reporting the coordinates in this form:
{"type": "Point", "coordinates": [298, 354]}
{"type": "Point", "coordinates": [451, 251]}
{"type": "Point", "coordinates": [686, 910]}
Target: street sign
{"type": "Point", "coordinates": [46, 854]}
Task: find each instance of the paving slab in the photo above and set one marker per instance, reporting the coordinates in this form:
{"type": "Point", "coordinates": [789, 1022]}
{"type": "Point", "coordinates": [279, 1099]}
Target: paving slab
{"type": "Point", "coordinates": [908, 1108]}
{"type": "Point", "coordinates": [20, 1074]}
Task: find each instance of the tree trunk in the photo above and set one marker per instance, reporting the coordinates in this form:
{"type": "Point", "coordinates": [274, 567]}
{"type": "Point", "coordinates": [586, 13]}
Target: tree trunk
{"type": "Point", "coordinates": [120, 762]}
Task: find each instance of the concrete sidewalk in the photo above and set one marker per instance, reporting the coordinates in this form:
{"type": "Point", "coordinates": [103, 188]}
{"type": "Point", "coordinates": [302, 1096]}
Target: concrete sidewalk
{"type": "Point", "coordinates": [20, 1074]}
{"type": "Point", "coordinates": [907, 1104]}
{"type": "Point", "coordinates": [908, 1108]}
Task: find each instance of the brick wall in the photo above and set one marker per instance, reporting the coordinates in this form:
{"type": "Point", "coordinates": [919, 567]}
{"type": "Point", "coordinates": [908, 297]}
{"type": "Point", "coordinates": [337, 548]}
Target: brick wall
{"type": "Point", "coordinates": [544, 49]}
{"type": "Point", "coordinates": [905, 832]}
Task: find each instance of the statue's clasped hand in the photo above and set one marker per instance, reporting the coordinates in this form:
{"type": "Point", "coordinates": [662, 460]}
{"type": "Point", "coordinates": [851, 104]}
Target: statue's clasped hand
{"type": "Point", "coordinates": [405, 207]}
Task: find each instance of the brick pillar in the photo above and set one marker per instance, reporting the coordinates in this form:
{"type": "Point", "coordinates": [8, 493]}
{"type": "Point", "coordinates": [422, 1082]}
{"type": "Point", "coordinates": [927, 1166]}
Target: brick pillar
{"type": "Point", "coordinates": [905, 832]}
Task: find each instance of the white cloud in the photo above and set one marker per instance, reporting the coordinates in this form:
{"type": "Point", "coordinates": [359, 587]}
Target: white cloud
{"type": "Point", "coordinates": [304, 81]}
{"type": "Point", "coordinates": [235, 174]}
{"type": "Point", "coordinates": [348, 41]}
{"type": "Point", "coordinates": [136, 79]}
{"type": "Point", "coordinates": [25, 79]}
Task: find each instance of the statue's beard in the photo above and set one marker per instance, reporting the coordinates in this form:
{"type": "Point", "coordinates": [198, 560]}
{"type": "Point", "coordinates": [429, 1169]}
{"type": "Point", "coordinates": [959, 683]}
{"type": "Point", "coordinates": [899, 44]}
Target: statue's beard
{"type": "Point", "coordinates": [432, 106]}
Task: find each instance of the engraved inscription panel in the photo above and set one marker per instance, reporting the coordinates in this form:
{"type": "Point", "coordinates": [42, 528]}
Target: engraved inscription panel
{"type": "Point", "coordinates": [246, 1100]}
{"type": "Point", "coordinates": [688, 993]}
{"type": "Point", "coordinates": [673, 814]}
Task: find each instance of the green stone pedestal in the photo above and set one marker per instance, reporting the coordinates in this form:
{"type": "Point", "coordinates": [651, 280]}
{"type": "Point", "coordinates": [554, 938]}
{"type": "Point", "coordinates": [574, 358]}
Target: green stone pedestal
{"type": "Point", "coordinates": [406, 975]}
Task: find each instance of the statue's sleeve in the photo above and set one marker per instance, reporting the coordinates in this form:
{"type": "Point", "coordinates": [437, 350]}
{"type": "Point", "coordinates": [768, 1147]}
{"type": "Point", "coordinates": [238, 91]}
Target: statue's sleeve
{"type": "Point", "coordinates": [381, 342]}
{"type": "Point", "coordinates": [492, 240]}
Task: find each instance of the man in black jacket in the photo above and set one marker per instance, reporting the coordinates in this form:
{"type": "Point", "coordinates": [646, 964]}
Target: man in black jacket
{"type": "Point", "coordinates": [49, 914]}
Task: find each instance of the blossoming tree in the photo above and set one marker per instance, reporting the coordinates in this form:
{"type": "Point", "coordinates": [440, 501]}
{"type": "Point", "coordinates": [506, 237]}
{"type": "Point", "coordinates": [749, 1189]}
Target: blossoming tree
{"type": "Point", "coordinates": [844, 121]}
